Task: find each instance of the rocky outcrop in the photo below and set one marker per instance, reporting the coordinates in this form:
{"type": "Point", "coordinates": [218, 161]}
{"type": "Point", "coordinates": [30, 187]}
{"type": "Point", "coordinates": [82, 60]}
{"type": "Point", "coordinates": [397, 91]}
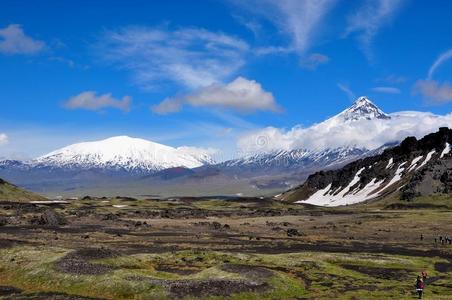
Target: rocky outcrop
{"type": "Point", "coordinates": [414, 168]}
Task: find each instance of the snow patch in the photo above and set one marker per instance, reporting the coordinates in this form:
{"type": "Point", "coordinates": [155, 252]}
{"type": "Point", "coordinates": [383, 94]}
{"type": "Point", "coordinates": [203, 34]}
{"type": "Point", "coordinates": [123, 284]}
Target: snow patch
{"type": "Point", "coordinates": [429, 156]}
{"type": "Point", "coordinates": [414, 162]}
{"type": "Point", "coordinates": [326, 197]}
{"type": "Point", "coordinates": [445, 151]}
{"type": "Point", "coordinates": [397, 175]}
{"type": "Point", "coordinates": [390, 163]}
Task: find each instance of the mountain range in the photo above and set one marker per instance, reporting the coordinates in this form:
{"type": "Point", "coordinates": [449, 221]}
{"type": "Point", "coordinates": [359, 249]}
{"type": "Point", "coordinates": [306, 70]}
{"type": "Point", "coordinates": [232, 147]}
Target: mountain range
{"type": "Point", "coordinates": [138, 167]}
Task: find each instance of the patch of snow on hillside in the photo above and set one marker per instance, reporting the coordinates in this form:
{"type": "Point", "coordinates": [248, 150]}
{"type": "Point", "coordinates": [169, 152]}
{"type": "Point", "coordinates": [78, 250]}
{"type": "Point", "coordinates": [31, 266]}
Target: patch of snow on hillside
{"type": "Point", "coordinates": [414, 163]}
{"type": "Point", "coordinates": [446, 150]}
{"type": "Point", "coordinates": [390, 163]}
{"type": "Point", "coordinates": [351, 184]}
{"type": "Point", "coordinates": [326, 197]}
{"type": "Point", "coordinates": [397, 175]}
{"type": "Point", "coordinates": [429, 156]}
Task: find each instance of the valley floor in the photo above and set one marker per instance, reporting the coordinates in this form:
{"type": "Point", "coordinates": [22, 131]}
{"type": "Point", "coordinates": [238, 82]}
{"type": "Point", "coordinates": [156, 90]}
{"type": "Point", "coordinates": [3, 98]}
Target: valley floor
{"type": "Point", "coordinates": [188, 248]}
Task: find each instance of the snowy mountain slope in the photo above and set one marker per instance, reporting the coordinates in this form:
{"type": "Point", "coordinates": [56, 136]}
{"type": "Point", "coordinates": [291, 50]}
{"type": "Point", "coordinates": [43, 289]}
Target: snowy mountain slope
{"type": "Point", "coordinates": [412, 169]}
{"type": "Point", "coordinates": [363, 108]}
{"type": "Point", "coordinates": [123, 152]}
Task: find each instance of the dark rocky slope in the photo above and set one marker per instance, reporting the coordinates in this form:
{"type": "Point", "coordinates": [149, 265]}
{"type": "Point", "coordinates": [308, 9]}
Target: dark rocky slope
{"type": "Point", "coordinates": [414, 168]}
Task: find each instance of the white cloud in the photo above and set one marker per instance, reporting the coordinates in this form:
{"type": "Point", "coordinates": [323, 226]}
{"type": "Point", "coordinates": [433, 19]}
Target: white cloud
{"type": "Point", "coordinates": [242, 95]}
{"type": "Point", "coordinates": [386, 90]}
{"type": "Point", "coordinates": [299, 20]}
{"type": "Point", "coordinates": [439, 61]}
{"type": "Point", "coordinates": [347, 91]}
{"type": "Point", "coordinates": [367, 21]}
{"type": "Point", "coordinates": [314, 60]}
{"type": "Point", "coordinates": [90, 101]}
{"type": "Point", "coordinates": [14, 41]}
{"type": "Point", "coordinates": [190, 57]}
{"type": "Point", "coordinates": [434, 91]}
{"type": "Point", "coordinates": [361, 133]}
{"type": "Point", "coordinates": [3, 139]}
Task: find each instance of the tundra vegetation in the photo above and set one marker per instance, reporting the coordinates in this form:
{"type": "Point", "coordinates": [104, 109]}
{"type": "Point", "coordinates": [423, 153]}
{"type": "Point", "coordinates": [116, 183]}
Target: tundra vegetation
{"type": "Point", "coordinates": [239, 248]}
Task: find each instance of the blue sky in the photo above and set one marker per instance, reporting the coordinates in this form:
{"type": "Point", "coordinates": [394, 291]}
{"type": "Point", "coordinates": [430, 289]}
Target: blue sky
{"type": "Point", "coordinates": [203, 73]}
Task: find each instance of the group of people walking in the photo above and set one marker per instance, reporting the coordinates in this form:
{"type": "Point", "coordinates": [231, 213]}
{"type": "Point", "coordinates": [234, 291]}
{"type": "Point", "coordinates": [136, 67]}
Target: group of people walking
{"type": "Point", "coordinates": [444, 240]}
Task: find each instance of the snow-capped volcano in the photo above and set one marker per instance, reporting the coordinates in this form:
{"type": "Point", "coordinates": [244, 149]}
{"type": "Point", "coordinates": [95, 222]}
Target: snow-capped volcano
{"type": "Point", "coordinates": [123, 152]}
{"type": "Point", "coordinates": [363, 108]}
{"type": "Point", "coordinates": [333, 142]}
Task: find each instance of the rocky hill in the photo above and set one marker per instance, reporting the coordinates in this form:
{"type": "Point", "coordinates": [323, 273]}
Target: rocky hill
{"type": "Point", "coordinates": [414, 168]}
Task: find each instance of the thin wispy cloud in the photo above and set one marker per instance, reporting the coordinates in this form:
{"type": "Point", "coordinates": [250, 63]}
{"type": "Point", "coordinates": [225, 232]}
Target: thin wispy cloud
{"type": "Point", "coordinates": [89, 100]}
{"type": "Point", "coordinates": [314, 60]}
{"type": "Point", "coordinates": [3, 139]}
{"type": "Point", "coordinates": [386, 90]}
{"type": "Point", "coordinates": [392, 79]}
{"type": "Point", "coordinates": [435, 92]}
{"type": "Point", "coordinates": [368, 20]}
{"type": "Point", "coordinates": [350, 95]}
{"type": "Point", "coordinates": [13, 40]}
{"type": "Point", "coordinates": [300, 21]}
{"type": "Point", "coordinates": [438, 62]}
{"type": "Point", "coordinates": [192, 58]}
{"type": "Point", "coordinates": [240, 95]}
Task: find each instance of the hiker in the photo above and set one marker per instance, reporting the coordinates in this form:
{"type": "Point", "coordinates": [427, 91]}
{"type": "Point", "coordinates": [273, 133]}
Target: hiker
{"type": "Point", "coordinates": [422, 237]}
{"type": "Point", "coordinates": [419, 286]}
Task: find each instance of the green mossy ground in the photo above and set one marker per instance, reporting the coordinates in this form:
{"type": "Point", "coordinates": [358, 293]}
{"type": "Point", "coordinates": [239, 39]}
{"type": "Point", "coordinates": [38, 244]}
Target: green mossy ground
{"type": "Point", "coordinates": [306, 275]}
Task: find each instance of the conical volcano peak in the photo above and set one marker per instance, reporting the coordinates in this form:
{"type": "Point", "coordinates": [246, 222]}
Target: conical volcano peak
{"type": "Point", "coordinates": [363, 108]}
{"type": "Point", "coordinates": [363, 101]}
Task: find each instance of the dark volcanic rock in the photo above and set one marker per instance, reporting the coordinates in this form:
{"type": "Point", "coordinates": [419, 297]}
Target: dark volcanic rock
{"type": "Point", "coordinates": [50, 218]}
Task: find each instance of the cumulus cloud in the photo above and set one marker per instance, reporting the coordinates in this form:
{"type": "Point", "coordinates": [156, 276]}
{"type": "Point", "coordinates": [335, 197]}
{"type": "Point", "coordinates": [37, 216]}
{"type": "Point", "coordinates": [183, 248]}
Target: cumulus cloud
{"type": "Point", "coordinates": [192, 58]}
{"type": "Point", "coordinates": [13, 40]}
{"type": "Point", "coordinates": [434, 91]}
{"type": "Point", "coordinates": [242, 95]}
{"type": "Point", "coordinates": [439, 61]}
{"type": "Point", "coordinates": [89, 100]}
{"type": "Point", "coordinates": [3, 139]}
{"type": "Point", "coordinates": [331, 134]}
{"type": "Point", "coordinates": [299, 20]}
{"type": "Point", "coordinates": [386, 90]}
{"type": "Point", "coordinates": [368, 20]}
{"type": "Point", "coordinates": [314, 60]}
